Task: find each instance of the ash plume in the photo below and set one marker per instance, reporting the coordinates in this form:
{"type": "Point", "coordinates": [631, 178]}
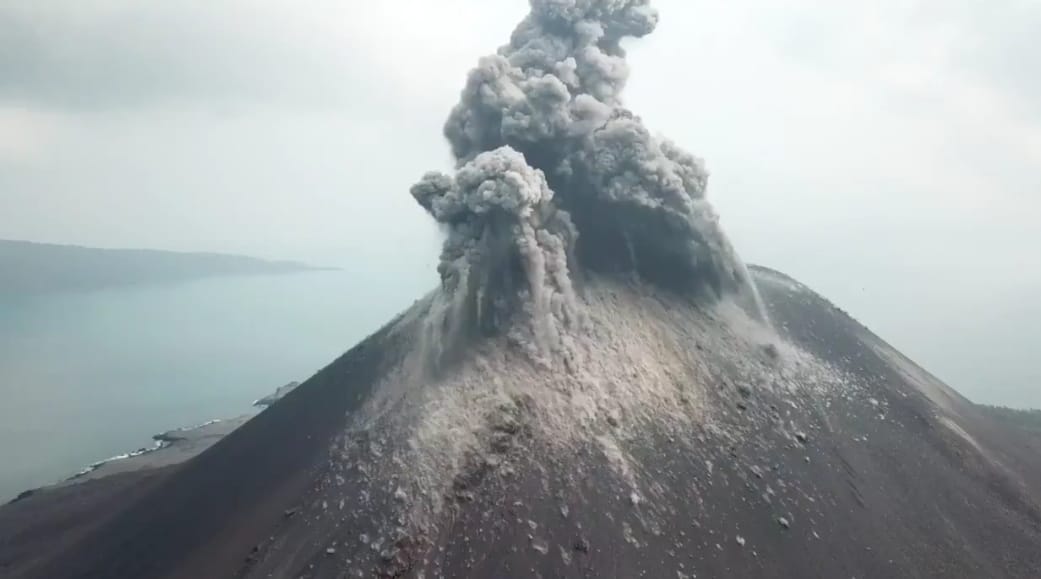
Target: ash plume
{"type": "Point", "coordinates": [506, 242]}
{"type": "Point", "coordinates": [555, 176]}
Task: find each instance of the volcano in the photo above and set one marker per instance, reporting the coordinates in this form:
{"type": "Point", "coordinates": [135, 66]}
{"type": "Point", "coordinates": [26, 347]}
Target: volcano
{"type": "Point", "coordinates": [599, 387]}
{"type": "Point", "coordinates": [695, 443]}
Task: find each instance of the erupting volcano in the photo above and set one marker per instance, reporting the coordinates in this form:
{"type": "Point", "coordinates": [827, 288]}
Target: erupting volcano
{"type": "Point", "coordinates": [598, 387]}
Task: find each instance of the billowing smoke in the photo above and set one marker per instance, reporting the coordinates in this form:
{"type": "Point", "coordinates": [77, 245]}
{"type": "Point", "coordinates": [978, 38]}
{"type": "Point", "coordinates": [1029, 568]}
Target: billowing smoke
{"type": "Point", "coordinates": [555, 175]}
{"type": "Point", "coordinates": [507, 245]}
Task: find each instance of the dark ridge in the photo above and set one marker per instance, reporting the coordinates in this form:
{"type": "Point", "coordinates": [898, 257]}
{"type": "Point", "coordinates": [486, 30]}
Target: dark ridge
{"type": "Point", "coordinates": [30, 268]}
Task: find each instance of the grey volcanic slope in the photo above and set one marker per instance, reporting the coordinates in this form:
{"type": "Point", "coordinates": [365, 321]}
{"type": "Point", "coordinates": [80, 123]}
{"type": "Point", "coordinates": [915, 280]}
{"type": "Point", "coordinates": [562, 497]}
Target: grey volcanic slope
{"type": "Point", "coordinates": [28, 268]}
{"type": "Point", "coordinates": [683, 440]}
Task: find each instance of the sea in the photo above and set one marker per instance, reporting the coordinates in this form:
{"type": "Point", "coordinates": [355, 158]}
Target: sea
{"type": "Point", "coordinates": [88, 376]}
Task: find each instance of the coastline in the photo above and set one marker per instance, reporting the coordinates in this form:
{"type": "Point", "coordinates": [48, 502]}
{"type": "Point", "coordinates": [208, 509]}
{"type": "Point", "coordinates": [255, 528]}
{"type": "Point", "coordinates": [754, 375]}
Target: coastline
{"type": "Point", "coordinates": [40, 523]}
{"type": "Point", "coordinates": [170, 448]}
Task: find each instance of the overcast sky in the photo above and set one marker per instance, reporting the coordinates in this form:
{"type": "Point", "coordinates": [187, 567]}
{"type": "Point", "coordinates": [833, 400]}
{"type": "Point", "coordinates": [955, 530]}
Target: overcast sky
{"type": "Point", "coordinates": [886, 153]}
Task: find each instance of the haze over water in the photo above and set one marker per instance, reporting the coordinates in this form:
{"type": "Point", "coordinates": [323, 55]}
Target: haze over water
{"type": "Point", "coordinates": [87, 376]}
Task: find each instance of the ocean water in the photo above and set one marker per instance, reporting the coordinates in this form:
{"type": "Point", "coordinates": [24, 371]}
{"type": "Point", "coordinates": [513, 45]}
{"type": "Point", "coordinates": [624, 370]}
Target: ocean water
{"type": "Point", "coordinates": [84, 377]}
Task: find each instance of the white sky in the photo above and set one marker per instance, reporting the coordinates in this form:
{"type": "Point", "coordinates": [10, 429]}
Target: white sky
{"type": "Point", "coordinates": [886, 153]}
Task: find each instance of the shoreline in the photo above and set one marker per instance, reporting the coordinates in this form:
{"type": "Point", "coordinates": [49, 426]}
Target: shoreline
{"type": "Point", "coordinates": [170, 448]}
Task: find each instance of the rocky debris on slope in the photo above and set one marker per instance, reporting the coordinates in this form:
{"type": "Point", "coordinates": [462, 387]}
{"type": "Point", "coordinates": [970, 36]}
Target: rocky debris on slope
{"type": "Point", "coordinates": [488, 453]}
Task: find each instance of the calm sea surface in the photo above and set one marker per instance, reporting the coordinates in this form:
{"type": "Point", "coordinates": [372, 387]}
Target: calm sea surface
{"type": "Point", "coordinates": [84, 377]}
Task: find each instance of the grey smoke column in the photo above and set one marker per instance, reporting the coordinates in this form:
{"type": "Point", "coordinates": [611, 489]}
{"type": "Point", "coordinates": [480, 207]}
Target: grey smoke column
{"type": "Point", "coordinates": [507, 245]}
{"type": "Point", "coordinates": [542, 122]}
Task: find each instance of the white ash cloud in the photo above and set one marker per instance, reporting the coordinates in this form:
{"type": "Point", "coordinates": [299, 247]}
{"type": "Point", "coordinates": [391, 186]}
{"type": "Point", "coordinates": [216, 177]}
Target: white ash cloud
{"type": "Point", "coordinates": [542, 141]}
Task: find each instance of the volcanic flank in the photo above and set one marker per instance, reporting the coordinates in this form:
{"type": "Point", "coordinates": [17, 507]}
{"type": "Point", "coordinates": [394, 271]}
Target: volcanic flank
{"type": "Point", "coordinates": [596, 389]}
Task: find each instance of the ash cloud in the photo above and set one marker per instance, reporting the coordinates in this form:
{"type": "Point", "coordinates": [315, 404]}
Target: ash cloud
{"type": "Point", "coordinates": [507, 242]}
{"type": "Point", "coordinates": [554, 175]}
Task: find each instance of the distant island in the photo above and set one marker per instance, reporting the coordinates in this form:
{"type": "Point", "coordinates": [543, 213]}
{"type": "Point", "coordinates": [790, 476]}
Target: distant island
{"type": "Point", "coordinates": [1027, 419]}
{"type": "Point", "coordinates": [29, 268]}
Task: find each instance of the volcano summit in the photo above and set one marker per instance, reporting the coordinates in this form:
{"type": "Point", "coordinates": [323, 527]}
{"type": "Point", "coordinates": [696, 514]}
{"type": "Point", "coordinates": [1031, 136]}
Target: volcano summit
{"type": "Point", "coordinates": [598, 388]}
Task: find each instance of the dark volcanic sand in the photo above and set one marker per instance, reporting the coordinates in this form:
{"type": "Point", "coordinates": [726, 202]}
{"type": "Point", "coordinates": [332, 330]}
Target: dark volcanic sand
{"type": "Point", "coordinates": [904, 479]}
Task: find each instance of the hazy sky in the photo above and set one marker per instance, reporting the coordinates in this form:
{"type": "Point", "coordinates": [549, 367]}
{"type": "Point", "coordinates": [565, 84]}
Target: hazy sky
{"type": "Point", "coordinates": [886, 153]}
